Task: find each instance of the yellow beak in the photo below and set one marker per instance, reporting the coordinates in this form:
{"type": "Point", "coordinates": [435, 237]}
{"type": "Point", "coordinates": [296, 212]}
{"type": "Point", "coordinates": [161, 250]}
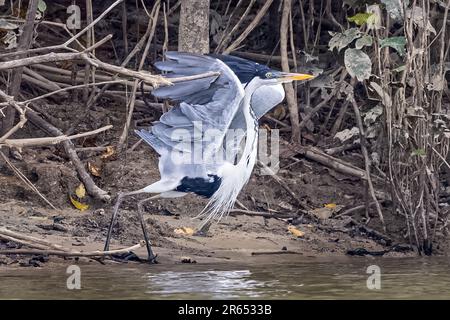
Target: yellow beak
{"type": "Point", "coordinates": [297, 76]}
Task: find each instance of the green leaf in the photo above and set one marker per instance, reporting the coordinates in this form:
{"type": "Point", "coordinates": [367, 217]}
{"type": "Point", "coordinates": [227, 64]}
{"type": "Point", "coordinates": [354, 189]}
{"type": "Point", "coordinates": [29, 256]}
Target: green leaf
{"type": "Point", "coordinates": [396, 43]}
{"type": "Point", "coordinates": [363, 41]}
{"type": "Point", "coordinates": [419, 152]}
{"type": "Point", "coordinates": [42, 6]}
{"type": "Point", "coordinates": [360, 18]}
{"type": "Point", "coordinates": [358, 64]}
{"type": "Point", "coordinates": [342, 40]}
{"type": "Point", "coordinates": [400, 69]}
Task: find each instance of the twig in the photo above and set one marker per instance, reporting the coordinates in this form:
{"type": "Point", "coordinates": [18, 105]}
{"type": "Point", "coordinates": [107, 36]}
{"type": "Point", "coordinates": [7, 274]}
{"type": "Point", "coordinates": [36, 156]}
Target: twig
{"type": "Point", "coordinates": [366, 159]}
{"type": "Point", "coordinates": [69, 148]}
{"type": "Point", "coordinates": [66, 44]}
{"type": "Point", "coordinates": [280, 181]}
{"type": "Point", "coordinates": [324, 102]}
{"type": "Point", "coordinates": [250, 27]}
{"type": "Point", "coordinates": [153, 22]}
{"type": "Point", "coordinates": [234, 212]}
{"type": "Point", "coordinates": [24, 43]}
{"type": "Point", "coordinates": [227, 35]}
{"type": "Point", "coordinates": [11, 102]}
{"type": "Point", "coordinates": [354, 209]}
{"type": "Point", "coordinates": [20, 143]}
{"type": "Point", "coordinates": [290, 93]}
{"type": "Point", "coordinates": [26, 180]}
{"type": "Point", "coordinates": [72, 88]}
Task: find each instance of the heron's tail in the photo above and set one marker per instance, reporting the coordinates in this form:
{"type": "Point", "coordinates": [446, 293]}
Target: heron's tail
{"type": "Point", "coordinates": [234, 178]}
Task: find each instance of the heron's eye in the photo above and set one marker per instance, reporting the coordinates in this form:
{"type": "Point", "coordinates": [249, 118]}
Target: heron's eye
{"type": "Point", "coordinates": [269, 75]}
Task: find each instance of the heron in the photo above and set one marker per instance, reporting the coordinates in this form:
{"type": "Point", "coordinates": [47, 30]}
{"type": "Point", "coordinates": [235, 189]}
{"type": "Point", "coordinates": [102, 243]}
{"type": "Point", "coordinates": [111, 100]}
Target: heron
{"type": "Point", "coordinates": [191, 137]}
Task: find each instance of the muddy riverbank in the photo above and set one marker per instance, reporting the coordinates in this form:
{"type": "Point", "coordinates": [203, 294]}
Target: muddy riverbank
{"type": "Point", "coordinates": [260, 226]}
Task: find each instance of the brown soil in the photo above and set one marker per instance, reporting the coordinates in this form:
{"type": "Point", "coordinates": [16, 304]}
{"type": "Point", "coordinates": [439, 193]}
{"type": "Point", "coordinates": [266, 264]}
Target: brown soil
{"type": "Point", "coordinates": [235, 238]}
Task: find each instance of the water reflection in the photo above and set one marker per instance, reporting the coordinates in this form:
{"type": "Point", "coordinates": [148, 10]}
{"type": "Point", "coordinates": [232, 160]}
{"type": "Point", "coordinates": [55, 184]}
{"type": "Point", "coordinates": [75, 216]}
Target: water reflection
{"type": "Point", "coordinates": [212, 284]}
{"type": "Point", "coordinates": [306, 279]}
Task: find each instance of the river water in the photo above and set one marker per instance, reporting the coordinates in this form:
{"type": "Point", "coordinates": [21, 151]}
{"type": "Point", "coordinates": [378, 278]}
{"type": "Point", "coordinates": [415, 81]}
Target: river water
{"type": "Point", "coordinates": [307, 278]}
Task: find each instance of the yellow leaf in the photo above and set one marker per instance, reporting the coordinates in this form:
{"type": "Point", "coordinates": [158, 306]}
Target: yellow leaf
{"type": "Point", "coordinates": [330, 206]}
{"type": "Point", "coordinates": [94, 170]}
{"type": "Point", "coordinates": [360, 18]}
{"type": "Point", "coordinates": [186, 231]}
{"type": "Point", "coordinates": [296, 232]}
{"type": "Point", "coordinates": [80, 206]}
{"type": "Point", "coordinates": [108, 153]}
{"type": "Point", "coordinates": [80, 191]}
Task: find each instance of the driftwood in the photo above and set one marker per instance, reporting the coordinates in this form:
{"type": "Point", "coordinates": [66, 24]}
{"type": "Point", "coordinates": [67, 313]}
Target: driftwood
{"type": "Point", "coordinates": [48, 252]}
{"type": "Point", "coordinates": [44, 247]}
{"type": "Point", "coordinates": [317, 155]}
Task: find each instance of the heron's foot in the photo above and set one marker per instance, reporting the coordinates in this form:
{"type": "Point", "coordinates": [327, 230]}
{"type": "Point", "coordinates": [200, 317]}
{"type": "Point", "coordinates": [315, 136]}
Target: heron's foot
{"type": "Point", "coordinates": [152, 259]}
{"type": "Point", "coordinates": [126, 257]}
{"type": "Point", "coordinates": [203, 231]}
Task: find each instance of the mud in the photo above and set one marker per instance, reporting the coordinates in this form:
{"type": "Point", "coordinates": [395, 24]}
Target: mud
{"type": "Point", "coordinates": [235, 238]}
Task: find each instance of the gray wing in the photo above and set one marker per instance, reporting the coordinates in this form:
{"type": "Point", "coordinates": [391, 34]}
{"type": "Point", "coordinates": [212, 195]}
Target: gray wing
{"type": "Point", "coordinates": [205, 104]}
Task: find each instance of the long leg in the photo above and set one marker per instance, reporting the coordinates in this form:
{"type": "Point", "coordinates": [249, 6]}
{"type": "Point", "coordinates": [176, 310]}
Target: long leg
{"type": "Point", "coordinates": [120, 197]}
{"type": "Point", "coordinates": [151, 255]}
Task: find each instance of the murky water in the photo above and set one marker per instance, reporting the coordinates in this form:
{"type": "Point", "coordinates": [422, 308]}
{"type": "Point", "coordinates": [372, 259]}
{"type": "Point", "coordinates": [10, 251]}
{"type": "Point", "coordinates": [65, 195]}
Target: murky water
{"type": "Point", "coordinates": [309, 278]}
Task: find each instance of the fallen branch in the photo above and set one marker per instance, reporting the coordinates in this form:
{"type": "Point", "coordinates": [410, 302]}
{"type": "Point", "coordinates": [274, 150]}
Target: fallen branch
{"type": "Point", "coordinates": [21, 236]}
{"type": "Point", "coordinates": [20, 143]}
{"type": "Point", "coordinates": [72, 253]}
{"type": "Point", "coordinates": [315, 154]}
{"type": "Point", "coordinates": [235, 212]}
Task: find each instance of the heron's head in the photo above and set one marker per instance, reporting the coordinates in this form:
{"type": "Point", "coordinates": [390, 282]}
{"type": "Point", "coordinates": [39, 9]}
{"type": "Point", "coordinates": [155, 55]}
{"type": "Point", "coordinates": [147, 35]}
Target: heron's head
{"type": "Point", "coordinates": [276, 77]}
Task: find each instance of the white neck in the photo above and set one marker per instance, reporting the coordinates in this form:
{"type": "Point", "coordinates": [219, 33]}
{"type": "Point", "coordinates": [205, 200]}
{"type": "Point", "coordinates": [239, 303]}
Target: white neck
{"type": "Point", "coordinates": [250, 149]}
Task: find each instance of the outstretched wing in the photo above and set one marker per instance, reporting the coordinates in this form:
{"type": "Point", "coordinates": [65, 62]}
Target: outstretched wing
{"type": "Point", "coordinates": [205, 104]}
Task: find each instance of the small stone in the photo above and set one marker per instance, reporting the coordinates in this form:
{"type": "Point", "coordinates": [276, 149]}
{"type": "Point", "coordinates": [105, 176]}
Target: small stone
{"type": "Point", "coordinates": [187, 260]}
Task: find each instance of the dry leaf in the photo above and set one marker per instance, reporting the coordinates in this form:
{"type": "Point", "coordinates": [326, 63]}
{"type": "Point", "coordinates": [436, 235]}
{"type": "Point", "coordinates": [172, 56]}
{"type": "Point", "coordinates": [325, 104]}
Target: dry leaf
{"type": "Point", "coordinates": [185, 231]}
{"type": "Point", "coordinates": [93, 169]}
{"type": "Point", "coordinates": [326, 211]}
{"type": "Point", "coordinates": [108, 153]}
{"type": "Point", "coordinates": [296, 232]}
{"type": "Point", "coordinates": [279, 112]}
{"type": "Point", "coordinates": [80, 206]}
{"type": "Point", "coordinates": [322, 213]}
{"type": "Point", "coordinates": [80, 191]}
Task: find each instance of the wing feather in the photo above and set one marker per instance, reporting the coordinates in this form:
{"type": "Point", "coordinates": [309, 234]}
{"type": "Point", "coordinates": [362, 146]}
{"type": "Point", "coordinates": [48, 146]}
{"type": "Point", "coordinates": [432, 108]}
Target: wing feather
{"type": "Point", "coordinates": [212, 102]}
